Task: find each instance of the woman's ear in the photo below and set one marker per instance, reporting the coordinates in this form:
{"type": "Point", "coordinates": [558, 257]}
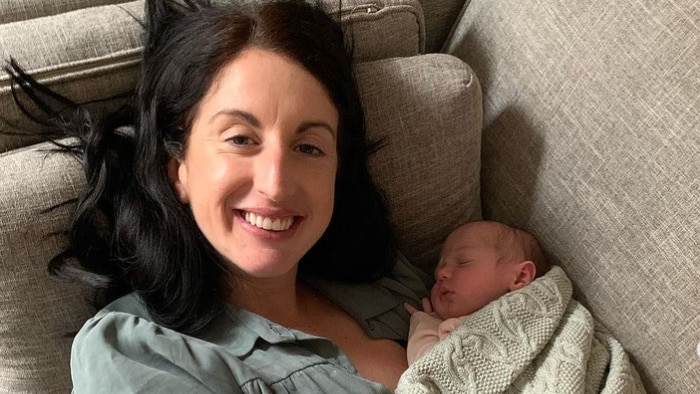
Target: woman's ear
{"type": "Point", "coordinates": [177, 172]}
{"type": "Point", "coordinates": [524, 274]}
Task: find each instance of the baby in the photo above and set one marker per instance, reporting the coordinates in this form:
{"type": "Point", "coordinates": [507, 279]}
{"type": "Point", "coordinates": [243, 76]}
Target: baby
{"type": "Point", "coordinates": [479, 262]}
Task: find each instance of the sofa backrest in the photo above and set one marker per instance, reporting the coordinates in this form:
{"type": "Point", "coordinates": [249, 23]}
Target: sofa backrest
{"type": "Point", "coordinates": [21, 10]}
{"type": "Point", "coordinates": [592, 140]}
{"type": "Point", "coordinates": [92, 54]}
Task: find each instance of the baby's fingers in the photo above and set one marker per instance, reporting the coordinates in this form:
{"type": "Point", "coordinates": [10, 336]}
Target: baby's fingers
{"type": "Point", "coordinates": [410, 308]}
{"type": "Point", "coordinates": [427, 306]}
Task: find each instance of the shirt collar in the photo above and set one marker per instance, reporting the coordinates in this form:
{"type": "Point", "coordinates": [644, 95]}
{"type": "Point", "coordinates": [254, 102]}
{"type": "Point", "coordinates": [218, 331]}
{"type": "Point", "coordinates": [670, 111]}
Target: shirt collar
{"type": "Point", "coordinates": [239, 330]}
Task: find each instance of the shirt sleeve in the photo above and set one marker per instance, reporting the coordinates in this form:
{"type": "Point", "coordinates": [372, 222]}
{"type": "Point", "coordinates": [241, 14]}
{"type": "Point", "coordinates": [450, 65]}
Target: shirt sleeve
{"type": "Point", "coordinates": [422, 335]}
{"type": "Point", "coordinates": [118, 353]}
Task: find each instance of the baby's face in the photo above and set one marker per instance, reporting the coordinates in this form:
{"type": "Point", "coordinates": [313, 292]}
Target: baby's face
{"type": "Point", "coordinates": [468, 275]}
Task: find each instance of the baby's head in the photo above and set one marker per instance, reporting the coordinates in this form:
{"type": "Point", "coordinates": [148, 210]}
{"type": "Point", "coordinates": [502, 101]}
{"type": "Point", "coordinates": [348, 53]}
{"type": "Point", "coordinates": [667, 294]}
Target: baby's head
{"type": "Point", "coordinates": [481, 261]}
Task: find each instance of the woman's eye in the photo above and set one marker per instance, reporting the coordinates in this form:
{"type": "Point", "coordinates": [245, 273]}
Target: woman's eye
{"type": "Point", "coordinates": [240, 140]}
{"type": "Point", "coordinates": [309, 149]}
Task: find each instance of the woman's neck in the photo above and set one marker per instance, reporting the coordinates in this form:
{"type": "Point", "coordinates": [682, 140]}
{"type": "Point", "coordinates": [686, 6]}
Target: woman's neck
{"type": "Point", "coordinates": [280, 299]}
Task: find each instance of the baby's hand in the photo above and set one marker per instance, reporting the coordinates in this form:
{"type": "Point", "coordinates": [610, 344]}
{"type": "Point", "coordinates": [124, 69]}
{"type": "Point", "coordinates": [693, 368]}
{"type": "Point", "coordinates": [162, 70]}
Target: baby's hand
{"type": "Point", "coordinates": [427, 308]}
{"type": "Point", "coordinates": [410, 308]}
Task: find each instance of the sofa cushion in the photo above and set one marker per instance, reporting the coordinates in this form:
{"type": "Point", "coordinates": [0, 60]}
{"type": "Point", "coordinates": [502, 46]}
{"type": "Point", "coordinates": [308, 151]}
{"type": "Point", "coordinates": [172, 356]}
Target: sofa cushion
{"type": "Point", "coordinates": [92, 54]}
{"type": "Point", "coordinates": [592, 140]}
{"type": "Point", "coordinates": [381, 29]}
{"type": "Point", "coordinates": [37, 312]}
{"type": "Point", "coordinates": [427, 111]}
{"type": "Point", "coordinates": [88, 55]}
{"type": "Point", "coordinates": [19, 10]}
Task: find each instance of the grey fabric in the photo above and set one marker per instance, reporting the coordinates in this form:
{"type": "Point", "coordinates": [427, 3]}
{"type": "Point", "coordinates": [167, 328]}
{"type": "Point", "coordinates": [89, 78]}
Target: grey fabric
{"type": "Point", "coordinates": [93, 54]}
{"type": "Point", "coordinates": [384, 29]}
{"type": "Point", "coordinates": [440, 16]}
{"type": "Point", "coordinates": [592, 140]}
{"type": "Point", "coordinates": [427, 112]}
{"type": "Point", "coordinates": [19, 10]}
{"type": "Point", "coordinates": [377, 29]}
{"type": "Point", "coordinates": [37, 312]}
{"type": "Point", "coordinates": [86, 55]}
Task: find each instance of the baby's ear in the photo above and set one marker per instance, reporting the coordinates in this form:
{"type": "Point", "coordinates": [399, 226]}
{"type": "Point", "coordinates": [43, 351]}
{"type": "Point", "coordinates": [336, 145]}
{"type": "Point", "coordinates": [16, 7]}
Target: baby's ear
{"type": "Point", "coordinates": [524, 274]}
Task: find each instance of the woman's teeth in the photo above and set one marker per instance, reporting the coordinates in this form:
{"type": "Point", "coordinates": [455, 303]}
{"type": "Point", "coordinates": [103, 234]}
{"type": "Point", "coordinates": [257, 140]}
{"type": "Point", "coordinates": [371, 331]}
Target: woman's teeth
{"type": "Point", "coordinates": [269, 223]}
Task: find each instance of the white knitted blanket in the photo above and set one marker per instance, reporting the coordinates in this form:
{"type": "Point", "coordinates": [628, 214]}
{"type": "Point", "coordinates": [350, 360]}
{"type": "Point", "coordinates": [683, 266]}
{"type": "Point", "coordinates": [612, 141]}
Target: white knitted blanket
{"type": "Point", "coordinates": [534, 340]}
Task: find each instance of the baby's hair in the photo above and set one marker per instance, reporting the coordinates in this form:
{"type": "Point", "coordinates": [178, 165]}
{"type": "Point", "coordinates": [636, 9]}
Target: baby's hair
{"type": "Point", "coordinates": [516, 245]}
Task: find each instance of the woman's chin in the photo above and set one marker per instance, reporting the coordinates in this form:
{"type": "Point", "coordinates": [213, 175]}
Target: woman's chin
{"type": "Point", "coordinates": [265, 264]}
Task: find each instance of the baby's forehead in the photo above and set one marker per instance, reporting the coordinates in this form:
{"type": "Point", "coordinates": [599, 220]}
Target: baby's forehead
{"type": "Point", "coordinates": [477, 234]}
{"type": "Point", "coordinates": [470, 243]}
{"type": "Point", "coordinates": [476, 237]}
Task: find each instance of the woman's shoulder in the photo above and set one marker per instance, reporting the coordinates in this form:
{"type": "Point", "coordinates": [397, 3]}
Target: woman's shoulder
{"type": "Point", "coordinates": [129, 304]}
{"type": "Point", "coordinates": [121, 349]}
{"type": "Point", "coordinates": [121, 325]}
{"type": "Point", "coordinates": [127, 315]}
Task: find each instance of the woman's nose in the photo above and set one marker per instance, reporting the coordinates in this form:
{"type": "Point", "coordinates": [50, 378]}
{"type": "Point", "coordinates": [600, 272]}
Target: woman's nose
{"type": "Point", "coordinates": [273, 174]}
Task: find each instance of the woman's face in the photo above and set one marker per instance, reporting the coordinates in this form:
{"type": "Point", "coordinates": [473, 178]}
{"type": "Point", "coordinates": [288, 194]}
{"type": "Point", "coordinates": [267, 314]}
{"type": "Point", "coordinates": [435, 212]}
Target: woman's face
{"type": "Point", "coordinates": [259, 166]}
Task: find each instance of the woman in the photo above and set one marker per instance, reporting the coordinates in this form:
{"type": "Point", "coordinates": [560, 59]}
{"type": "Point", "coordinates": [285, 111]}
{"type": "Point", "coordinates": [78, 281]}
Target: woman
{"type": "Point", "coordinates": [243, 236]}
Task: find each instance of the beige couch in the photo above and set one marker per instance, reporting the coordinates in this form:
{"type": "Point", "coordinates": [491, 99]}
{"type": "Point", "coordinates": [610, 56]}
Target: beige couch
{"type": "Point", "coordinates": [589, 136]}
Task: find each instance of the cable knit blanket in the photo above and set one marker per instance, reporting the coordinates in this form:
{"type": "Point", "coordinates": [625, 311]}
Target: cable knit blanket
{"type": "Point", "coordinates": [534, 340]}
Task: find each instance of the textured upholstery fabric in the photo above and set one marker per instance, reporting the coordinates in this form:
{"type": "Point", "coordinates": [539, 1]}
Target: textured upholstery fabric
{"type": "Point", "coordinates": [92, 54]}
{"type": "Point", "coordinates": [377, 29]}
{"type": "Point", "coordinates": [440, 16]}
{"type": "Point", "coordinates": [592, 140]}
{"type": "Point", "coordinates": [384, 29]}
{"type": "Point", "coordinates": [19, 10]}
{"type": "Point", "coordinates": [403, 98]}
{"type": "Point", "coordinates": [427, 112]}
{"type": "Point", "coordinates": [87, 55]}
{"type": "Point", "coordinates": [37, 312]}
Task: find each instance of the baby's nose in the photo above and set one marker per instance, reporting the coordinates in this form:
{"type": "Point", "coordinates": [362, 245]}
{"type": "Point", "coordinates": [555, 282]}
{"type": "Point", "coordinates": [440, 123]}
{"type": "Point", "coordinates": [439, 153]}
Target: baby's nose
{"type": "Point", "coordinates": [442, 272]}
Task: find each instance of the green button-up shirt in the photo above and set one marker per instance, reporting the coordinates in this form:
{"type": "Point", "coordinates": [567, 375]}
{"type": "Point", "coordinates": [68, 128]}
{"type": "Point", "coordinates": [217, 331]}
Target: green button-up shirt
{"type": "Point", "coordinates": [120, 350]}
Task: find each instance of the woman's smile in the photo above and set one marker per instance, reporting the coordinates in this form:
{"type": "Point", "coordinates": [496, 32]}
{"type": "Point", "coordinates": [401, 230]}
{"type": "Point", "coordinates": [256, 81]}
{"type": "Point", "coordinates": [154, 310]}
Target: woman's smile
{"type": "Point", "coordinates": [269, 223]}
{"type": "Point", "coordinates": [269, 226]}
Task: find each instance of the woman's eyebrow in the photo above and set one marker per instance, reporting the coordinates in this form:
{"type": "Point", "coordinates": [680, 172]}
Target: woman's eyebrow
{"type": "Point", "coordinates": [253, 121]}
{"type": "Point", "coordinates": [247, 116]}
{"type": "Point", "coordinates": [304, 126]}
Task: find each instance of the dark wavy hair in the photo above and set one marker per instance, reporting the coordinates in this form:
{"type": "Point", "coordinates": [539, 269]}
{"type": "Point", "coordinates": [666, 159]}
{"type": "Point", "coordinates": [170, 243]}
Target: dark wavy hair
{"type": "Point", "coordinates": [131, 233]}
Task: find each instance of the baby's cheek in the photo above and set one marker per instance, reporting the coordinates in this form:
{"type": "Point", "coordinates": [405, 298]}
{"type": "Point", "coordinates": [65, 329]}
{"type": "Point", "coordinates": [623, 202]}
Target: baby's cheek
{"type": "Point", "coordinates": [433, 296]}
